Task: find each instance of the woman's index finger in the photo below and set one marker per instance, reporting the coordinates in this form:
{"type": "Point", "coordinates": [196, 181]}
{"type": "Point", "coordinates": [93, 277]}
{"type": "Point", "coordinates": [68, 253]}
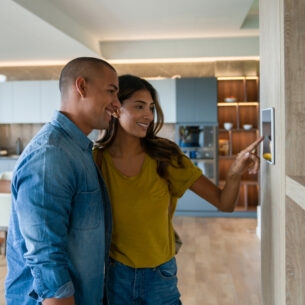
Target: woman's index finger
{"type": "Point", "coordinates": [254, 144]}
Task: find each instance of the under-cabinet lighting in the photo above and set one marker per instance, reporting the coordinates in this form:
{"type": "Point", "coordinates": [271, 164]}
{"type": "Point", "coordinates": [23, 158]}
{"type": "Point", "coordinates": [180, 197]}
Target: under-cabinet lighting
{"type": "Point", "coordinates": [238, 104]}
{"type": "Point", "coordinates": [231, 78]}
{"type": "Point", "coordinates": [236, 77]}
{"type": "Point", "coordinates": [251, 77]}
{"type": "Point", "coordinates": [181, 60]}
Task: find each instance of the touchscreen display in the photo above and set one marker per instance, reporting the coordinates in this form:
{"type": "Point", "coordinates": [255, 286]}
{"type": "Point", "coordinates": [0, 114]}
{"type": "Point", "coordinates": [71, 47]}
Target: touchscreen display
{"type": "Point", "coordinates": [267, 128]}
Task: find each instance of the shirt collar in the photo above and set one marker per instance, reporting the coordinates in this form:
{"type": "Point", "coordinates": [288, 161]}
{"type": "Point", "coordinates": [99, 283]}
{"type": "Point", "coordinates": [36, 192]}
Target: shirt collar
{"type": "Point", "coordinates": [59, 119]}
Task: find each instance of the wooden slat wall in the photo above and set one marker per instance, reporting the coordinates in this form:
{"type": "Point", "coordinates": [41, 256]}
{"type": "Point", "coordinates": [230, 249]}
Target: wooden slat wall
{"type": "Point", "coordinates": [273, 176]}
{"type": "Point", "coordinates": [282, 77]}
{"type": "Point", "coordinates": [294, 31]}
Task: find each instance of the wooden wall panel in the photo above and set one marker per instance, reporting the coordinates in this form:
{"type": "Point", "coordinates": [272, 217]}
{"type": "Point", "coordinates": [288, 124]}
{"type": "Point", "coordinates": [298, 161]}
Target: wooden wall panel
{"type": "Point", "coordinates": [282, 78]}
{"type": "Point", "coordinates": [272, 177]}
{"type": "Point", "coordinates": [295, 250]}
{"type": "Point", "coordinates": [294, 42]}
{"type": "Point", "coordinates": [294, 86]}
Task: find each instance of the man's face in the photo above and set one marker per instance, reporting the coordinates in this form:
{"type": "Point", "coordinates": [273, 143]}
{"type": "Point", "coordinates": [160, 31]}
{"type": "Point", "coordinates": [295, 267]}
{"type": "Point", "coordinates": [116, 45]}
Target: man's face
{"type": "Point", "coordinates": [101, 99]}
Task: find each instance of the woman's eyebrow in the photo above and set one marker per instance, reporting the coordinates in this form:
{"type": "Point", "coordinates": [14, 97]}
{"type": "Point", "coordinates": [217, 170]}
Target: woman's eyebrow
{"type": "Point", "coordinates": [143, 102]}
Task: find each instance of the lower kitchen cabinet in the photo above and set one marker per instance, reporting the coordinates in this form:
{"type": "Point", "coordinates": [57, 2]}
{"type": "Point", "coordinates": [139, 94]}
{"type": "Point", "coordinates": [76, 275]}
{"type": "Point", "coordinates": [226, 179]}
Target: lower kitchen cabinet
{"type": "Point", "coordinates": [190, 204]}
{"type": "Point", "coordinates": [7, 164]}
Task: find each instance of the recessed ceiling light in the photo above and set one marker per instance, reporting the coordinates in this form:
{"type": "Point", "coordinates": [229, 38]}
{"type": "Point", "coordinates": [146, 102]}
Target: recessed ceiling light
{"type": "Point", "coordinates": [2, 78]}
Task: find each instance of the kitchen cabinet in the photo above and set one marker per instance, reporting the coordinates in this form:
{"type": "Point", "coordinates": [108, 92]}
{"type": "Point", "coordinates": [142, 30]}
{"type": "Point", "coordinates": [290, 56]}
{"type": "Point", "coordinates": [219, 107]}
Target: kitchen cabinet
{"type": "Point", "coordinates": [188, 100]}
{"type": "Point", "coordinates": [230, 142]}
{"type": "Point", "coordinates": [166, 89]}
{"type": "Point", "coordinates": [28, 101]}
{"type": "Point", "coordinates": [202, 150]}
{"type": "Point", "coordinates": [49, 99]}
{"type": "Point", "coordinates": [6, 95]}
{"type": "Point", "coordinates": [196, 100]}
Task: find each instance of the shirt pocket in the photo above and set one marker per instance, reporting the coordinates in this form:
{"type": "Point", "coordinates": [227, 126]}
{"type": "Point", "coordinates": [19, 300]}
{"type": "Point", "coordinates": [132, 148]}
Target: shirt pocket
{"type": "Point", "coordinates": [87, 211]}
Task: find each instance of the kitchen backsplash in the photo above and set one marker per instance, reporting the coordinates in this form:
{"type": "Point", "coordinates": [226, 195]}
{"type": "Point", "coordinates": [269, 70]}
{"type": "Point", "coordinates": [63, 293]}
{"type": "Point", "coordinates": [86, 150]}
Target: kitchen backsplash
{"type": "Point", "coordinates": [9, 134]}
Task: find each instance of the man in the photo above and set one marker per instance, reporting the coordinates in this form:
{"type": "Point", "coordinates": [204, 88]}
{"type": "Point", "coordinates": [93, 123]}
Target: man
{"type": "Point", "coordinates": [60, 227]}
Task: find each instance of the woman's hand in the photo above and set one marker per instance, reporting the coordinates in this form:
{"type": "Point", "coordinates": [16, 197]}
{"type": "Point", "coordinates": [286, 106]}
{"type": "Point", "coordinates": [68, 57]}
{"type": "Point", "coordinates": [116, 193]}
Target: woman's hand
{"type": "Point", "coordinates": [246, 160]}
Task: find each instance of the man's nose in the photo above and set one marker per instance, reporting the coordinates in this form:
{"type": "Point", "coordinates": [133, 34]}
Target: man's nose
{"type": "Point", "coordinates": [116, 102]}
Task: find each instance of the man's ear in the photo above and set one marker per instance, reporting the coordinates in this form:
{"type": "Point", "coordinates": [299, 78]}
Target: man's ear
{"type": "Point", "coordinates": [80, 85]}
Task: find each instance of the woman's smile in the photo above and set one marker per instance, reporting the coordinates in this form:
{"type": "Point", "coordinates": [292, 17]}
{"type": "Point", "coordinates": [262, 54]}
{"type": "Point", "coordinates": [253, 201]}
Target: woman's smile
{"type": "Point", "coordinates": [144, 125]}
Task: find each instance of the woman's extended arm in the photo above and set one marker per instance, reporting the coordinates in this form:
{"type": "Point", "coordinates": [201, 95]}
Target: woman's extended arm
{"type": "Point", "coordinates": [225, 199]}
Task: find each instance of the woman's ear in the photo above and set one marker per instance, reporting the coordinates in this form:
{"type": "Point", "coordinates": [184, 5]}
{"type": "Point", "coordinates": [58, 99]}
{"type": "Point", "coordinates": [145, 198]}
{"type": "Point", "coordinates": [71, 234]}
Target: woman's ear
{"type": "Point", "coordinates": [80, 85]}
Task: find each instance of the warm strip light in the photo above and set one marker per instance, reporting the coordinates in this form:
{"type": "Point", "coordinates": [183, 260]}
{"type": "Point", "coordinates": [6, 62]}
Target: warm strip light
{"type": "Point", "coordinates": [238, 104]}
{"type": "Point", "coordinates": [236, 77]}
{"type": "Point", "coordinates": [180, 60]}
{"type": "Point", "coordinates": [251, 77]}
{"type": "Point", "coordinates": [231, 78]}
{"type": "Point", "coordinates": [33, 63]}
{"type": "Point", "coordinates": [128, 61]}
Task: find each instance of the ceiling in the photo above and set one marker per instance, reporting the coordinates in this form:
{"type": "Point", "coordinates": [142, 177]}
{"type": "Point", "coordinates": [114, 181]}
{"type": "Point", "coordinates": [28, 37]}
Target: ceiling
{"type": "Point", "coordinates": [51, 32]}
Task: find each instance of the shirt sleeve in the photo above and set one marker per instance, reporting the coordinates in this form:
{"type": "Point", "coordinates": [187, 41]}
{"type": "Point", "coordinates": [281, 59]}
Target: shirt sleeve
{"type": "Point", "coordinates": [181, 179]}
{"type": "Point", "coordinates": [44, 192]}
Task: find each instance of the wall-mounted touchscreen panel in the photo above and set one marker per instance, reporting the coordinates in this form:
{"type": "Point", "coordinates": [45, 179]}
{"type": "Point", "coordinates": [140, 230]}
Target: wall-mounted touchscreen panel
{"type": "Point", "coordinates": [267, 128]}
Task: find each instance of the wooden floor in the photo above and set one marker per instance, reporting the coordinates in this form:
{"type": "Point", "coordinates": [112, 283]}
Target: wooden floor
{"type": "Point", "coordinates": [218, 264]}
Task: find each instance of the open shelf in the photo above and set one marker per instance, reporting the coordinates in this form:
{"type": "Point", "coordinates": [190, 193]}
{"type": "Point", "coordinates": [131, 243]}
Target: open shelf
{"type": "Point", "coordinates": [230, 142]}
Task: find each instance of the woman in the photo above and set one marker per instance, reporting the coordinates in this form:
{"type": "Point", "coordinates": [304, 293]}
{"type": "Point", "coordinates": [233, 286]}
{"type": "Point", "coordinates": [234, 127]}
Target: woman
{"type": "Point", "coordinates": [145, 175]}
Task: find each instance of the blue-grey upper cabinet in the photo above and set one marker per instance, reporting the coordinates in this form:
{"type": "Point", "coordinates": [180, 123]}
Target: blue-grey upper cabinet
{"type": "Point", "coordinates": [196, 100]}
{"type": "Point", "coordinates": [166, 89]}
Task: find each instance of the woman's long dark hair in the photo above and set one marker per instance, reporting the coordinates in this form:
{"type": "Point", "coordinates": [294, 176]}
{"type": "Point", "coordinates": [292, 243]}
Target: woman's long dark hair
{"type": "Point", "coordinates": [164, 151]}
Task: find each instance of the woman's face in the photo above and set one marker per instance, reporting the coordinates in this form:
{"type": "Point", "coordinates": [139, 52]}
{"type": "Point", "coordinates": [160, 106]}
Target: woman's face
{"type": "Point", "coordinates": [136, 113]}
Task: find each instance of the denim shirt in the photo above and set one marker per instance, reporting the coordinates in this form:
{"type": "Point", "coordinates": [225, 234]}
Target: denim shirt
{"type": "Point", "coordinates": [60, 226]}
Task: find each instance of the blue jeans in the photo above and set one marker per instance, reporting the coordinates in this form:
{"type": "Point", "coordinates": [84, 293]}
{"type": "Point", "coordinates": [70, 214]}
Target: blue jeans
{"type": "Point", "coordinates": [143, 286]}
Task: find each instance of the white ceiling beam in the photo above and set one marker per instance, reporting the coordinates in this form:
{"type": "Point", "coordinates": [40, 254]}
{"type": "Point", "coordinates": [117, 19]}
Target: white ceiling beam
{"type": "Point", "coordinates": [177, 49]}
{"type": "Point", "coordinates": [51, 14]}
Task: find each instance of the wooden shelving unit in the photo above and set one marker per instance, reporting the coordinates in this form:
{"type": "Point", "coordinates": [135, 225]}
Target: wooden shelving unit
{"type": "Point", "coordinates": [244, 111]}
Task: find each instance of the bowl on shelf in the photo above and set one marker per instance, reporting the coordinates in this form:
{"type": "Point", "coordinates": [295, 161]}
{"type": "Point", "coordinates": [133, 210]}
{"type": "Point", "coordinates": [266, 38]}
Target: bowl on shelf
{"type": "Point", "coordinates": [230, 99]}
{"type": "Point", "coordinates": [227, 125]}
{"type": "Point", "coordinates": [247, 126]}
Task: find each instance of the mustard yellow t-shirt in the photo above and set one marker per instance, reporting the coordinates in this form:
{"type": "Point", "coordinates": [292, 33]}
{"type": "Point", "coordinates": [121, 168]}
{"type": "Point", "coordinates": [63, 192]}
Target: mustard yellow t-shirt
{"type": "Point", "coordinates": [143, 235]}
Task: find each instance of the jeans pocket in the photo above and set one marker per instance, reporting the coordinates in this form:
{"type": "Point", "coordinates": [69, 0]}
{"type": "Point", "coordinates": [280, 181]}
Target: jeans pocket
{"type": "Point", "coordinates": [168, 269]}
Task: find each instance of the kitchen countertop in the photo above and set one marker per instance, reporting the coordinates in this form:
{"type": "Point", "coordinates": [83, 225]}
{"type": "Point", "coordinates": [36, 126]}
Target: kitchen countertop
{"type": "Point", "coordinates": [10, 157]}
